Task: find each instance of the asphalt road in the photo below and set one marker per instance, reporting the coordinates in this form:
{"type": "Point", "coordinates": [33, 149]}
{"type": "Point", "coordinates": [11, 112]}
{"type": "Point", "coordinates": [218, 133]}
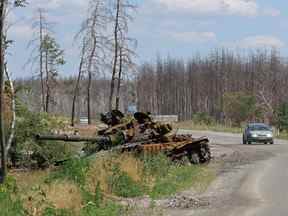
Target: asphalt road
{"type": "Point", "coordinates": [263, 191]}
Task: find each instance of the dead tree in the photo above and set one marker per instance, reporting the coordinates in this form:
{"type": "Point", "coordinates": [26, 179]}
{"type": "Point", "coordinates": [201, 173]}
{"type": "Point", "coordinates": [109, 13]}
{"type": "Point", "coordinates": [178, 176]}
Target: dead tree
{"type": "Point", "coordinates": [92, 34]}
{"type": "Point", "coordinates": [41, 27]}
{"type": "Point", "coordinates": [126, 55]}
{"type": "Point", "coordinates": [41, 57]}
{"type": "Point", "coordinates": [121, 17]}
{"type": "Point", "coordinates": [77, 86]}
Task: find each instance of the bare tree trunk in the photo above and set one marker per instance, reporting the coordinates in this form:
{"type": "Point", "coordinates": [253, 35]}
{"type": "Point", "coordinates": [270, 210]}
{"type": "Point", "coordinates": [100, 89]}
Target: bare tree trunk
{"type": "Point", "coordinates": [89, 98]}
{"type": "Point", "coordinates": [41, 60]}
{"type": "Point", "coordinates": [119, 80]}
{"type": "Point", "coordinates": [2, 131]}
{"type": "Point", "coordinates": [90, 78]}
{"type": "Point", "coordinates": [76, 91]}
{"type": "Point", "coordinates": [13, 123]}
{"type": "Point", "coordinates": [47, 83]}
{"type": "Point", "coordinates": [116, 29]}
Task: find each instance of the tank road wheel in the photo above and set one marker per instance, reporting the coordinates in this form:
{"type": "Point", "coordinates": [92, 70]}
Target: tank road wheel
{"type": "Point", "coordinates": [205, 154]}
{"type": "Point", "coordinates": [194, 158]}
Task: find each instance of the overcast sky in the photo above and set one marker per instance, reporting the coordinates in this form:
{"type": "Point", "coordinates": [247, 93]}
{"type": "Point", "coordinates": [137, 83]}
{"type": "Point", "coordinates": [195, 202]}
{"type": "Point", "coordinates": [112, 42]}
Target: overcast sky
{"type": "Point", "coordinates": [177, 28]}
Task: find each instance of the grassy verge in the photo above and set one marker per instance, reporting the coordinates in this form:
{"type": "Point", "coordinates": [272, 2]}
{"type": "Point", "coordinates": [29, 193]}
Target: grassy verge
{"type": "Point", "coordinates": [283, 135]}
{"type": "Point", "coordinates": [189, 125]}
{"type": "Point", "coordinates": [93, 187]}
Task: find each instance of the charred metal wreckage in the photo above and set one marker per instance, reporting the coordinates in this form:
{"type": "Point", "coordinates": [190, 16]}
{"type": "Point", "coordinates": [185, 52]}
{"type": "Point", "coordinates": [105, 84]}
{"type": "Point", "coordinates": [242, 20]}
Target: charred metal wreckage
{"type": "Point", "coordinates": [140, 134]}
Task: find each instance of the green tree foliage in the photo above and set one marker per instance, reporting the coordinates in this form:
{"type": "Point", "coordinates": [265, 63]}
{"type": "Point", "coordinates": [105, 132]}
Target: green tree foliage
{"type": "Point", "coordinates": [282, 117]}
{"type": "Point", "coordinates": [54, 57]}
{"type": "Point", "coordinates": [26, 149]}
{"type": "Point", "coordinates": [240, 107]}
{"type": "Point", "coordinates": [55, 54]}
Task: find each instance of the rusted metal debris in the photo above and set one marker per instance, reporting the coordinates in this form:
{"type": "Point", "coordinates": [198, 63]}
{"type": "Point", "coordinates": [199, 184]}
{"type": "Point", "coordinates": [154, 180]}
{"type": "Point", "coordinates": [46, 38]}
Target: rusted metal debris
{"type": "Point", "coordinates": [140, 134]}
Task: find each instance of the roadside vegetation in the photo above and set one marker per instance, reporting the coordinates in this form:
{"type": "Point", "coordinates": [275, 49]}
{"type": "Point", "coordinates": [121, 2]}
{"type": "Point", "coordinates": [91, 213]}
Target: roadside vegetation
{"type": "Point", "coordinates": [238, 118]}
{"type": "Point", "coordinates": [95, 186]}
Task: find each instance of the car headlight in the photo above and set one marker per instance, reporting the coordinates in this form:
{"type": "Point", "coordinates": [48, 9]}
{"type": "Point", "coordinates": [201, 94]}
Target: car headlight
{"type": "Point", "coordinates": [270, 135]}
{"type": "Point", "coordinates": [254, 135]}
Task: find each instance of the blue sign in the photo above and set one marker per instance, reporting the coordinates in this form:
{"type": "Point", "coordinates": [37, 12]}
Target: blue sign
{"type": "Point", "coordinates": [132, 109]}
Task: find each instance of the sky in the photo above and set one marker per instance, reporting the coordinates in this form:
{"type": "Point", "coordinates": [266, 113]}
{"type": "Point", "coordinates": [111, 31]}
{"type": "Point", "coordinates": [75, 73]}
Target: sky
{"type": "Point", "coordinates": [178, 28]}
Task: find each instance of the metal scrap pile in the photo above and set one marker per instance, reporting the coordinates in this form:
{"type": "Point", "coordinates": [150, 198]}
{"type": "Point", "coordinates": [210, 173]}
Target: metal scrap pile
{"type": "Point", "coordinates": [139, 133]}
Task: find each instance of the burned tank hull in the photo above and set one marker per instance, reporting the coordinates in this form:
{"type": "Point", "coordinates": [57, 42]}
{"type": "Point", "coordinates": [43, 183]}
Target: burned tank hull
{"type": "Point", "coordinates": [140, 134]}
{"type": "Point", "coordinates": [197, 151]}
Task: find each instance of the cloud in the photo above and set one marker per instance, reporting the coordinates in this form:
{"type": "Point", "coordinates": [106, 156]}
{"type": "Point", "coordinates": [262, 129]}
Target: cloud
{"type": "Point", "coordinates": [194, 36]}
{"type": "Point", "coordinates": [54, 4]}
{"type": "Point", "coordinates": [258, 41]}
{"type": "Point", "coordinates": [237, 7]}
{"type": "Point", "coordinates": [218, 7]}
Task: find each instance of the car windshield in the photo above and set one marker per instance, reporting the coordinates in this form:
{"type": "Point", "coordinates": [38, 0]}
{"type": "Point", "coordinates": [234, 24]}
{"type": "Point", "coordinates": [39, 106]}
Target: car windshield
{"type": "Point", "coordinates": [259, 128]}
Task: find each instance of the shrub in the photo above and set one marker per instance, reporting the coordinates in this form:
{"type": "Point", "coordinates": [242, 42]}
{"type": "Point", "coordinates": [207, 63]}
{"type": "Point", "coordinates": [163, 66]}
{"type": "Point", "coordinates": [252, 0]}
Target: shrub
{"type": "Point", "coordinates": [203, 118]}
{"type": "Point", "coordinates": [282, 117]}
{"type": "Point", "coordinates": [74, 170]}
{"type": "Point", "coordinates": [240, 107]}
{"type": "Point", "coordinates": [28, 124]}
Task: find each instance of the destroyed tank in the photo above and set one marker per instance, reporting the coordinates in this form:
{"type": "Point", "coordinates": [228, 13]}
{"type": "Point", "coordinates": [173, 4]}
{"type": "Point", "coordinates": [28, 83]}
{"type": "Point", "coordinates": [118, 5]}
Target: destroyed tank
{"type": "Point", "coordinates": [140, 134]}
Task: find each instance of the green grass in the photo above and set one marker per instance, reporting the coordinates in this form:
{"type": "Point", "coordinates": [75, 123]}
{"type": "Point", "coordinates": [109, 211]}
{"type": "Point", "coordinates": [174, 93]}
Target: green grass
{"type": "Point", "coordinates": [122, 185]}
{"type": "Point", "coordinates": [10, 205]}
{"type": "Point", "coordinates": [107, 209]}
{"type": "Point", "coordinates": [159, 178]}
{"type": "Point", "coordinates": [57, 212]}
{"type": "Point", "coordinates": [179, 178]}
{"type": "Point", "coordinates": [283, 135]}
{"type": "Point", "coordinates": [170, 178]}
{"type": "Point", "coordinates": [74, 170]}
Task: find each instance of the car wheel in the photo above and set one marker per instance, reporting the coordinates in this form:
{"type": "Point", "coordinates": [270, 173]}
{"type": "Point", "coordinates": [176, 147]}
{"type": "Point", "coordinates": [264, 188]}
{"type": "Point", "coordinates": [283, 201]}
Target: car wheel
{"type": "Point", "coordinates": [244, 142]}
{"type": "Point", "coordinates": [249, 143]}
{"type": "Point", "coordinates": [272, 142]}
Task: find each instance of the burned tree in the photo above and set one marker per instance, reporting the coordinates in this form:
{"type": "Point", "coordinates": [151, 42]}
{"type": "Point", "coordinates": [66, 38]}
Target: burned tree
{"type": "Point", "coordinates": [121, 16]}
{"type": "Point", "coordinates": [126, 64]}
{"type": "Point", "coordinates": [41, 27]}
{"type": "Point", "coordinates": [77, 85]}
{"type": "Point", "coordinates": [93, 37]}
